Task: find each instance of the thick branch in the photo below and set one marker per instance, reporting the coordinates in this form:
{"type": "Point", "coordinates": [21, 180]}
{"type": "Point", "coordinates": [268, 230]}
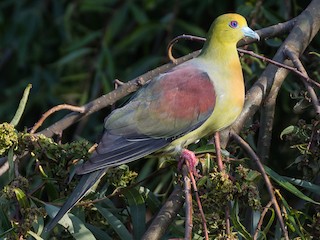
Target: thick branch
{"type": "Point", "coordinates": [265, 90]}
{"type": "Point", "coordinates": [166, 215]}
{"type": "Point", "coordinates": [135, 84]}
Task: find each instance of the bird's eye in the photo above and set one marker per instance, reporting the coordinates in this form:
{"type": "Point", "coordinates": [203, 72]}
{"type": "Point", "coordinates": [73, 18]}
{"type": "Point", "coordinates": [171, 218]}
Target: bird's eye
{"type": "Point", "coordinates": [233, 24]}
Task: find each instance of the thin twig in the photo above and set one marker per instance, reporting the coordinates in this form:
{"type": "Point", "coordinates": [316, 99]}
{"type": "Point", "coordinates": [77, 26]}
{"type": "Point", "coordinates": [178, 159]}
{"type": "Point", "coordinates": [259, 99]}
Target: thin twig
{"type": "Point", "coordinates": [296, 70]}
{"type": "Point", "coordinates": [291, 54]}
{"type": "Point", "coordinates": [195, 189]}
{"type": "Point", "coordinates": [188, 200]}
{"type": "Point", "coordinates": [265, 177]}
{"type": "Point", "coordinates": [176, 39]}
{"type": "Point", "coordinates": [278, 64]}
{"type": "Point", "coordinates": [221, 168]}
{"type": "Point", "coordinates": [55, 109]}
{"type": "Point", "coordinates": [264, 212]}
{"type": "Point", "coordinates": [218, 151]}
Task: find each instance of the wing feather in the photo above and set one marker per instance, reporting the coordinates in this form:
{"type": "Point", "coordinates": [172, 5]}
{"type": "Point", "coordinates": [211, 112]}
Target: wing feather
{"type": "Point", "coordinates": [170, 106]}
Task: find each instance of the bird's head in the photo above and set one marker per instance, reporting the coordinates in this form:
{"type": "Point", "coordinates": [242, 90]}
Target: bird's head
{"type": "Point", "coordinates": [230, 28]}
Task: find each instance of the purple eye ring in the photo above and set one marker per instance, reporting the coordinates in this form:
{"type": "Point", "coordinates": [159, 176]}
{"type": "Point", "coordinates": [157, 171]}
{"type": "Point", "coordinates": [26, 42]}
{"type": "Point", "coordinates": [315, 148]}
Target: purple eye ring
{"type": "Point", "coordinates": [233, 24]}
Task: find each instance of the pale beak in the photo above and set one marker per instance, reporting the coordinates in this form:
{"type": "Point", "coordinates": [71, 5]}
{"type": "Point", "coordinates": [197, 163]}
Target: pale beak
{"type": "Point", "coordinates": [248, 32]}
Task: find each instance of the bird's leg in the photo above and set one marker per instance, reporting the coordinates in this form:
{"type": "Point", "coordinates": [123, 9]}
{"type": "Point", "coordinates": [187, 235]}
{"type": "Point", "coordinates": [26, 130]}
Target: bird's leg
{"type": "Point", "coordinates": [189, 157]}
{"type": "Point", "coordinates": [218, 151]}
{"type": "Point", "coordinates": [190, 160]}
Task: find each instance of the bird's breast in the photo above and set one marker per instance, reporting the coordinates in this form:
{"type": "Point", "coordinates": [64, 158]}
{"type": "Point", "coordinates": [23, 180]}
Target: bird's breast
{"type": "Point", "coordinates": [230, 93]}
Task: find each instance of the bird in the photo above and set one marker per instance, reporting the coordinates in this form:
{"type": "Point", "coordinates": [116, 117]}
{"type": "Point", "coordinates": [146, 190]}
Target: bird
{"type": "Point", "coordinates": [194, 99]}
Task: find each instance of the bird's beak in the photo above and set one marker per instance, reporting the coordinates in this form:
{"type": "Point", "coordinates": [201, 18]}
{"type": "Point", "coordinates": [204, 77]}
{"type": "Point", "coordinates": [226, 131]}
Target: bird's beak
{"type": "Point", "coordinates": [248, 32]}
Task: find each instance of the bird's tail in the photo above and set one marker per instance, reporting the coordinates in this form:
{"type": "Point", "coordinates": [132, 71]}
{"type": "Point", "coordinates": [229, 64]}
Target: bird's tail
{"type": "Point", "coordinates": [86, 182]}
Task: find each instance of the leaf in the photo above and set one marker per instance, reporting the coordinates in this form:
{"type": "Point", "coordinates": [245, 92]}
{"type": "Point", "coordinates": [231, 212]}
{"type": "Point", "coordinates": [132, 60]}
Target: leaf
{"type": "Point", "coordinates": [11, 164]}
{"type": "Point", "coordinates": [305, 184]}
{"type": "Point", "coordinates": [115, 223]}
{"type": "Point", "coordinates": [137, 207]}
{"type": "Point", "coordinates": [289, 130]}
{"type": "Point", "coordinates": [98, 233]}
{"type": "Point", "coordinates": [73, 55]}
{"type": "Point", "coordinates": [270, 222]}
{"type": "Point", "coordinates": [74, 225]}
{"type": "Point", "coordinates": [84, 41]}
{"type": "Point", "coordinates": [291, 220]}
{"type": "Point", "coordinates": [21, 197]}
{"type": "Point", "coordinates": [315, 53]}
{"type": "Point", "coordinates": [65, 221]}
{"type": "Point", "coordinates": [34, 235]}
{"type": "Point", "coordinates": [5, 223]}
{"type": "Point", "coordinates": [236, 222]}
{"type": "Point", "coordinates": [288, 186]}
{"type": "Point", "coordinates": [152, 201]}
{"type": "Point", "coordinates": [22, 106]}
{"type": "Point", "coordinates": [80, 231]}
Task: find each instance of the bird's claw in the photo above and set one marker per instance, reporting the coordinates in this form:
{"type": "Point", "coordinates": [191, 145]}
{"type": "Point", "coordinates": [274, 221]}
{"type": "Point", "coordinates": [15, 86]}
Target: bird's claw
{"type": "Point", "coordinates": [189, 158]}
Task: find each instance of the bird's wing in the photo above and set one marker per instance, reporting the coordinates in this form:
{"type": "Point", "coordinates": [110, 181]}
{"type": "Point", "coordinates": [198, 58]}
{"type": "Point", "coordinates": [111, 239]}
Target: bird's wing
{"type": "Point", "coordinates": [170, 106]}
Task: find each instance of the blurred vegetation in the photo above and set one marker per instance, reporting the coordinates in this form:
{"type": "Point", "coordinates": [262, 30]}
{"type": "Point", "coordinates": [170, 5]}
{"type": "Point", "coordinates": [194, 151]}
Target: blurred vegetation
{"type": "Point", "coordinates": [71, 51]}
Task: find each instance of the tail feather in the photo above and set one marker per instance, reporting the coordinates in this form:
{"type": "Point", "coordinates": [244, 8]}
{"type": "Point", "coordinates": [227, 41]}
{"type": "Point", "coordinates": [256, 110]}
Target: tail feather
{"type": "Point", "coordinates": [85, 183]}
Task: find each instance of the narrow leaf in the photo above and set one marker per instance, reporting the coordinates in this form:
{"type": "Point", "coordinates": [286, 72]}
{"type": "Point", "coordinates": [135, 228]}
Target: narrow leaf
{"type": "Point", "coordinates": [21, 197]}
{"type": "Point", "coordinates": [22, 106]}
{"type": "Point", "coordinates": [288, 186]}
{"type": "Point", "coordinates": [305, 184]}
{"type": "Point", "coordinates": [115, 223]}
{"type": "Point", "coordinates": [137, 211]}
{"type": "Point", "coordinates": [237, 224]}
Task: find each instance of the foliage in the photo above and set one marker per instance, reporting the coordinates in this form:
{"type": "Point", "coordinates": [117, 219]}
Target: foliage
{"type": "Point", "coordinates": [71, 52]}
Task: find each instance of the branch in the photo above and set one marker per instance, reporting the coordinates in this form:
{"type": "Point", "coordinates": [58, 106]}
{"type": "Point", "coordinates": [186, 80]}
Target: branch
{"type": "Point", "coordinates": [306, 25]}
{"type": "Point", "coordinates": [55, 109]}
{"type": "Point", "coordinates": [110, 98]}
{"type": "Point", "coordinates": [265, 177]}
{"type": "Point", "coordinates": [135, 84]}
{"type": "Point", "coordinates": [165, 216]}
{"type": "Point", "coordinates": [293, 55]}
{"type": "Point", "coordinates": [188, 205]}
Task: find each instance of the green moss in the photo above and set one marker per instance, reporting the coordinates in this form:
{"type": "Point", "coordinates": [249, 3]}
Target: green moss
{"type": "Point", "coordinates": [8, 137]}
{"type": "Point", "coordinates": [121, 176]}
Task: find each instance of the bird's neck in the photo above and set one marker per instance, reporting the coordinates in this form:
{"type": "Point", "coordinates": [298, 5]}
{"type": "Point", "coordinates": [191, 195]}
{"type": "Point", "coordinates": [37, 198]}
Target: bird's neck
{"type": "Point", "coordinates": [225, 52]}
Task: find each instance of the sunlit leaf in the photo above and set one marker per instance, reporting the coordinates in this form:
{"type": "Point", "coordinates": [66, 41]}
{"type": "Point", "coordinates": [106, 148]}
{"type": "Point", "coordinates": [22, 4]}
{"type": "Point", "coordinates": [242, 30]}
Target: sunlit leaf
{"type": "Point", "coordinates": [115, 223]}
{"type": "Point", "coordinates": [288, 186]}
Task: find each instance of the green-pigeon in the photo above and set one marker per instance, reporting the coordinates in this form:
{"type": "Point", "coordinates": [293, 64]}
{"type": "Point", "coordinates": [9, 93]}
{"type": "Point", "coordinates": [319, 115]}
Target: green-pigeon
{"type": "Point", "coordinates": [196, 98]}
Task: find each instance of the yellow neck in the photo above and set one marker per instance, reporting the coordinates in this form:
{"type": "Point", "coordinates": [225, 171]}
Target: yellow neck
{"type": "Point", "coordinates": [222, 51]}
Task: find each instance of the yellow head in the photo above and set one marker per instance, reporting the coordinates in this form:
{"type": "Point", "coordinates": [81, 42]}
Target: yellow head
{"type": "Point", "coordinates": [229, 28]}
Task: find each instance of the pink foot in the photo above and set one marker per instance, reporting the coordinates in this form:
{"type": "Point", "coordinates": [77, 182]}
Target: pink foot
{"type": "Point", "coordinates": [190, 157]}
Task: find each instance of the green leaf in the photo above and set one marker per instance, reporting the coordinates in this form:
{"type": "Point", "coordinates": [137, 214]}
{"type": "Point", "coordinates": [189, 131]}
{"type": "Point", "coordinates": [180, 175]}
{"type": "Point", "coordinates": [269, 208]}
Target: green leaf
{"type": "Point", "coordinates": [34, 235]}
{"type": "Point", "coordinates": [315, 53]}
{"type": "Point", "coordinates": [270, 222]}
{"type": "Point", "coordinates": [74, 225]}
{"type": "Point", "coordinates": [73, 56]}
{"type": "Point", "coordinates": [22, 106]}
{"type": "Point", "coordinates": [84, 41]}
{"type": "Point", "coordinates": [236, 222]}
{"type": "Point", "coordinates": [152, 201]}
{"type": "Point", "coordinates": [98, 233]}
{"type": "Point", "coordinates": [288, 186]}
{"type": "Point", "coordinates": [65, 221]}
{"type": "Point", "coordinates": [289, 130]}
{"type": "Point", "coordinates": [21, 197]}
{"type": "Point", "coordinates": [5, 223]}
{"type": "Point", "coordinates": [291, 220]}
{"type": "Point", "coordinates": [11, 164]}
{"type": "Point", "coordinates": [305, 184]}
{"type": "Point", "coordinates": [137, 207]}
{"type": "Point", "coordinates": [115, 223]}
